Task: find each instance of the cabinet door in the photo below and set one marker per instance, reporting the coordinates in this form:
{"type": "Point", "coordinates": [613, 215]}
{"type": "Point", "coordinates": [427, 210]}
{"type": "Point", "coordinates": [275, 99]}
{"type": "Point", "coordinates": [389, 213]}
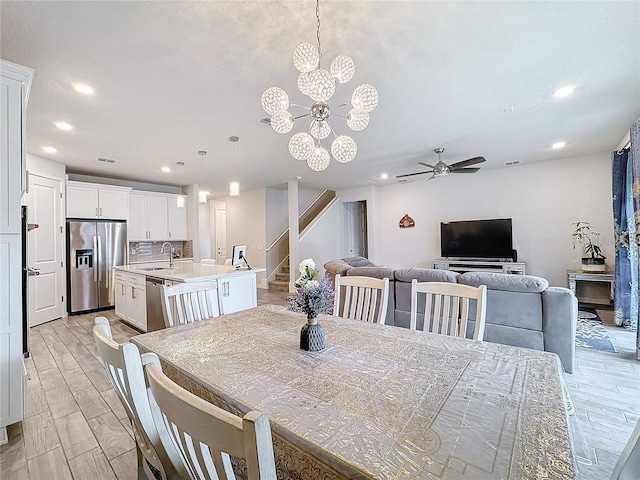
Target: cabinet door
{"type": "Point", "coordinates": [11, 377]}
{"type": "Point", "coordinates": [113, 204]}
{"type": "Point", "coordinates": [137, 222]}
{"type": "Point", "coordinates": [177, 220]}
{"type": "Point", "coordinates": [141, 307]}
{"type": "Point", "coordinates": [238, 293]}
{"type": "Point", "coordinates": [121, 299]}
{"type": "Point", "coordinates": [157, 222]}
{"type": "Point", "coordinates": [10, 156]}
{"type": "Point", "coordinates": [82, 201]}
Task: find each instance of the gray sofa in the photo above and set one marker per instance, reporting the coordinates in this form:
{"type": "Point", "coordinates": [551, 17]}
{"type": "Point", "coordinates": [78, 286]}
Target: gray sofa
{"type": "Point", "coordinates": [522, 310]}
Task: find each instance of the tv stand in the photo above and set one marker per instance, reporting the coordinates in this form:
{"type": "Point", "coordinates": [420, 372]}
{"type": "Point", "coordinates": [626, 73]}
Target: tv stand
{"type": "Point", "coordinates": [467, 265]}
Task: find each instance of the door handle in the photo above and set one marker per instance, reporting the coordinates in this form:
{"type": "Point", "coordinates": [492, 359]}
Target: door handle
{"type": "Point", "coordinates": [95, 258]}
{"type": "Point", "coordinates": [96, 211]}
{"type": "Point", "coordinates": [100, 211]}
{"type": "Point", "coordinates": [133, 293]}
{"type": "Point", "coordinates": [123, 292]}
{"type": "Point", "coordinates": [169, 233]}
{"type": "Point", "coordinates": [32, 272]}
{"type": "Point", "coordinates": [100, 258]}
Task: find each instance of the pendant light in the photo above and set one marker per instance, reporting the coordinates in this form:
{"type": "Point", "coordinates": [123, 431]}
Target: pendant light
{"type": "Point", "coordinates": [202, 195]}
{"type": "Point", "coordinates": [234, 186]}
{"type": "Point", "coordinates": [181, 201]}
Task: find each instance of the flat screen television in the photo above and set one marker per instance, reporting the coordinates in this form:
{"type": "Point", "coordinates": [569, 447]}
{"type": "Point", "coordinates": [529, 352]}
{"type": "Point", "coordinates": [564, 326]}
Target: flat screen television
{"type": "Point", "coordinates": [477, 239]}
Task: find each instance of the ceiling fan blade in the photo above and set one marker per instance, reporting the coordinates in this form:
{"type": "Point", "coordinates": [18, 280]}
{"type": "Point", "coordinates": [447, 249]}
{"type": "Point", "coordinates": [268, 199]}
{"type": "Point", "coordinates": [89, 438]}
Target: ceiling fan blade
{"type": "Point", "coordinates": [431, 177]}
{"type": "Point", "coordinates": [412, 174]}
{"type": "Point", "coordinates": [426, 165]}
{"type": "Point", "coordinates": [464, 170]}
{"type": "Point", "coordinates": [467, 163]}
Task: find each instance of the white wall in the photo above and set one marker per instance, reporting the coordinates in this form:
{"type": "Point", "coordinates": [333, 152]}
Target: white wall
{"type": "Point", "coordinates": [543, 199]}
{"type": "Point", "coordinates": [246, 225]}
{"type": "Point", "coordinates": [204, 231]}
{"type": "Point", "coordinates": [321, 242]}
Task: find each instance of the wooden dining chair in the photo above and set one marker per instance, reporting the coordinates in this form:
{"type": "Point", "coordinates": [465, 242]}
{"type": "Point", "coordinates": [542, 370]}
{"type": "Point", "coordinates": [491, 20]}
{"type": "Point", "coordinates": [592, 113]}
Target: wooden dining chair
{"type": "Point", "coordinates": [190, 302]}
{"type": "Point", "coordinates": [628, 465]}
{"type": "Point", "coordinates": [361, 298]}
{"type": "Point", "coordinates": [447, 308]}
{"type": "Point", "coordinates": [205, 435]}
{"type": "Point", "coordinates": [124, 367]}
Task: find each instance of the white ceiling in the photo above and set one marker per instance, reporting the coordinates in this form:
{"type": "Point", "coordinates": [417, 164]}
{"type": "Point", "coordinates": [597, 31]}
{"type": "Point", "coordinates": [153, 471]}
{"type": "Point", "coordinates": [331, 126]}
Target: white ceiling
{"type": "Point", "coordinates": [172, 78]}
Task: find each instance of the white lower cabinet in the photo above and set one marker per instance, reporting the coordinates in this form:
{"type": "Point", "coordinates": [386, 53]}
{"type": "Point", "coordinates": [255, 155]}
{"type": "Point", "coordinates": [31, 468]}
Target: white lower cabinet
{"type": "Point", "coordinates": [238, 292]}
{"type": "Point", "coordinates": [131, 299]}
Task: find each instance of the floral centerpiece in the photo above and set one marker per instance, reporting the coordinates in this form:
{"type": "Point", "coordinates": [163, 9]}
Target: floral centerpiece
{"type": "Point", "coordinates": [312, 297]}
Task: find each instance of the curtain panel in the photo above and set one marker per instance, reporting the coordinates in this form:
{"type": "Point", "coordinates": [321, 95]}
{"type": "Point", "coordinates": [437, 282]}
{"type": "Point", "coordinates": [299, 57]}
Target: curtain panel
{"type": "Point", "coordinates": [626, 212]}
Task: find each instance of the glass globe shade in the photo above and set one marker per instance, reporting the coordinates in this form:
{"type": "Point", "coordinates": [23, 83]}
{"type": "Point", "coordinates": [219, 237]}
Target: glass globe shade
{"type": "Point", "coordinates": [344, 149]}
{"type": "Point", "coordinates": [301, 146]}
{"type": "Point", "coordinates": [282, 122]}
{"type": "Point", "coordinates": [321, 85]}
{"type": "Point", "coordinates": [274, 100]}
{"type": "Point", "coordinates": [357, 120]}
{"type": "Point", "coordinates": [306, 57]}
{"type": "Point", "coordinates": [320, 129]}
{"type": "Point", "coordinates": [319, 160]}
{"type": "Point", "coordinates": [342, 68]}
{"type": "Point", "coordinates": [304, 84]}
{"type": "Point", "coordinates": [365, 98]}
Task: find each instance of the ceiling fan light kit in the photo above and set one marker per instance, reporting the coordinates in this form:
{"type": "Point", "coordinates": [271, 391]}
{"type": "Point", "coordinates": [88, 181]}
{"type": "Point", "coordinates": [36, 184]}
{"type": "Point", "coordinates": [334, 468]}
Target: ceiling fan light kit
{"type": "Point", "coordinates": [441, 169]}
{"type": "Point", "coordinates": [320, 85]}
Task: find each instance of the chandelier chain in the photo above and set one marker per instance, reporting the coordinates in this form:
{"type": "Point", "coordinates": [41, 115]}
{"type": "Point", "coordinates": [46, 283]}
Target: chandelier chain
{"type": "Point", "coordinates": [318, 27]}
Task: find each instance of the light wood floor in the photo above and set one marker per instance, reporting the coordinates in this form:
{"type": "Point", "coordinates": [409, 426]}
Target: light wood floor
{"type": "Point", "coordinates": [77, 429]}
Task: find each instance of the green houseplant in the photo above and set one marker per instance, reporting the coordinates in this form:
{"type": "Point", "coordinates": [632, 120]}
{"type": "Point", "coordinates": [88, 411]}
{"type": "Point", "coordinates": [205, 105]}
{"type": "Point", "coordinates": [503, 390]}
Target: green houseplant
{"type": "Point", "coordinates": [590, 240]}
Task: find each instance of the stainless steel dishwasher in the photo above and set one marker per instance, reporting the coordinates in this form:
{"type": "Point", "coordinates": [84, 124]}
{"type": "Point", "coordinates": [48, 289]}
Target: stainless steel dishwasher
{"type": "Point", "coordinates": [155, 318]}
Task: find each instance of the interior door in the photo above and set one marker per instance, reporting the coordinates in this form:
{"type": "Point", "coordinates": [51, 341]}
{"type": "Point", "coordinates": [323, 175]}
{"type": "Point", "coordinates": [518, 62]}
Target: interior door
{"type": "Point", "coordinates": [356, 228]}
{"type": "Point", "coordinates": [45, 253]}
{"type": "Point", "coordinates": [221, 235]}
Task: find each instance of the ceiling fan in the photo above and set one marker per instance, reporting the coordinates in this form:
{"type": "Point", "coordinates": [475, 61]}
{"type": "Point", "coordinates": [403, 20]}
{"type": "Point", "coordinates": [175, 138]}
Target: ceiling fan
{"type": "Point", "coordinates": [441, 169]}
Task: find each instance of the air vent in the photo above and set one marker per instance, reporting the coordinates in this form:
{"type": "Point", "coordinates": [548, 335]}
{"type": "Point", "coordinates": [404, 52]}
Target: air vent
{"type": "Point", "coordinates": [265, 120]}
{"type": "Point", "coordinates": [515, 162]}
{"type": "Point", "coordinates": [106, 160]}
{"type": "Point", "coordinates": [404, 180]}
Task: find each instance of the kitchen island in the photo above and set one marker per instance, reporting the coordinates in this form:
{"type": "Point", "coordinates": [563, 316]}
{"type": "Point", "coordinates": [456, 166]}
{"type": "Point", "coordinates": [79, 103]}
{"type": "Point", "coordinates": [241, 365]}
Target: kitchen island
{"type": "Point", "coordinates": [138, 289]}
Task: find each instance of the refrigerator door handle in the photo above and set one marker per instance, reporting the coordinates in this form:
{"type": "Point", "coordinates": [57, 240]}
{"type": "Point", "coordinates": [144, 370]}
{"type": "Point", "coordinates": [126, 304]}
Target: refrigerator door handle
{"type": "Point", "coordinates": [100, 266]}
{"type": "Point", "coordinates": [95, 258]}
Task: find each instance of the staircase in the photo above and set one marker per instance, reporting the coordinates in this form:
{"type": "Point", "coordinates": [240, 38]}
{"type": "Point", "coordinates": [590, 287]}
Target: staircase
{"type": "Point", "coordinates": [281, 283]}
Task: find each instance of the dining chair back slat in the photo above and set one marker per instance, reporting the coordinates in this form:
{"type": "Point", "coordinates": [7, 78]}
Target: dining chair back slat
{"type": "Point", "coordinates": [205, 435]}
{"type": "Point", "coordinates": [447, 308]}
{"type": "Point", "coordinates": [123, 365]}
{"type": "Point", "coordinates": [361, 298]}
{"type": "Point", "coordinates": [190, 302]}
{"type": "Point", "coordinates": [628, 465]}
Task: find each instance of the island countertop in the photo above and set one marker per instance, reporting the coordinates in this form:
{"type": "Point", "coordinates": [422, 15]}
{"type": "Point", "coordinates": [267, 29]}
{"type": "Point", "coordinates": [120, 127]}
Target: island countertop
{"type": "Point", "coordinates": [187, 271]}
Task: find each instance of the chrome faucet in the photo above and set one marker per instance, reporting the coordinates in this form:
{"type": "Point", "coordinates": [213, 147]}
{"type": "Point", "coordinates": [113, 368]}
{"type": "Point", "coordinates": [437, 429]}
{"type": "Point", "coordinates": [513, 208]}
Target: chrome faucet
{"type": "Point", "coordinates": [171, 264]}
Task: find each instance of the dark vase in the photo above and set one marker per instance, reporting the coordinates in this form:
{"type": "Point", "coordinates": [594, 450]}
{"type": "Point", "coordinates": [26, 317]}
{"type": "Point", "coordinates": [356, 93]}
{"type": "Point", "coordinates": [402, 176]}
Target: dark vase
{"type": "Point", "coordinates": [593, 265]}
{"type": "Point", "coordinates": [312, 336]}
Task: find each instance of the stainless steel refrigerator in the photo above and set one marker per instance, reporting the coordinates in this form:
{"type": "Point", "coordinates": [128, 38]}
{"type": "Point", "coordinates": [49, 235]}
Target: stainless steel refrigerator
{"type": "Point", "coordinates": [94, 247]}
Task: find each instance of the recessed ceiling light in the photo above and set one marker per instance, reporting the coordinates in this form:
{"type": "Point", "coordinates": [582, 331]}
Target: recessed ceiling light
{"type": "Point", "coordinates": [63, 126]}
{"type": "Point", "coordinates": [564, 91]}
{"type": "Point", "coordinates": [83, 88]}
{"type": "Point", "coordinates": [165, 169]}
{"type": "Point", "coordinates": [384, 176]}
{"type": "Point", "coordinates": [49, 149]}
{"type": "Point", "coordinates": [558, 145]}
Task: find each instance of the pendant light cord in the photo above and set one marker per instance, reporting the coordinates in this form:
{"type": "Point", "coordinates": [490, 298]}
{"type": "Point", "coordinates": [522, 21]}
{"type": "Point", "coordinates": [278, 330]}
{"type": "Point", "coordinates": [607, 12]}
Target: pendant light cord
{"type": "Point", "coordinates": [318, 28]}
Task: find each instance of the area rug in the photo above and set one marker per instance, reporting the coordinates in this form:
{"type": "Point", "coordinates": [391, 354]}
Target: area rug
{"type": "Point", "coordinates": [590, 332]}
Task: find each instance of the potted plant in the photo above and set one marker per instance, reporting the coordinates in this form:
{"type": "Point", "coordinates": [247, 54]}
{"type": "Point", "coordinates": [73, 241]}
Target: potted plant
{"type": "Point", "coordinates": [583, 234]}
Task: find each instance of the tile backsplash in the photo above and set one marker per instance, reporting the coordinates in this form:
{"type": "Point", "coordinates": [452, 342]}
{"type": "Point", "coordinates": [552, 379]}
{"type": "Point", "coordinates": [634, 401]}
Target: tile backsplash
{"type": "Point", "coordinates": [150, 251]}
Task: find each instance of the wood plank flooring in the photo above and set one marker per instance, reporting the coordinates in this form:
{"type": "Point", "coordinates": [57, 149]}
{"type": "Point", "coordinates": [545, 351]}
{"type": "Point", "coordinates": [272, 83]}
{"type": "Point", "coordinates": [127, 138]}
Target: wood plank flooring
{"type": "Point", "coordinates": [77, 429]}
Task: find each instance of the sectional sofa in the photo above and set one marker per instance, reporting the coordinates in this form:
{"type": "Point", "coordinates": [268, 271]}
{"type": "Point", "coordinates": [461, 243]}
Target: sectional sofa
{"type": "Point", "coordinates": [522, 310]}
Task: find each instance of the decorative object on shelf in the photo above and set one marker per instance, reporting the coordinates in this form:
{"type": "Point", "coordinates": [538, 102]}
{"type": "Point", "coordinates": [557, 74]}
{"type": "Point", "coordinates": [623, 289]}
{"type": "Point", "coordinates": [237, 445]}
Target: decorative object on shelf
{"type": "Point", "coordinates": [319, 84]}
{"type": "Point", "coordinates": [407, 221]}
{"type": "Point", "coordinates": [312, 298]}
{"type": "Point", "coordinates": [591, 243]}
{"type": "Point", "coordinates": [234, 187]}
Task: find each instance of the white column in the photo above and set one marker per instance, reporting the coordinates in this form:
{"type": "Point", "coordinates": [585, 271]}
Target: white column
{"type": "Point", "coordinates": [294, 233]}
{"type": "Point", "coordinates": [193, 226]}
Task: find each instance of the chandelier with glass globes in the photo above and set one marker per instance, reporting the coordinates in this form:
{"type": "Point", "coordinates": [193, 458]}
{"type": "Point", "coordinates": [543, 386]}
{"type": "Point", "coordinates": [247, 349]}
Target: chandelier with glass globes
{"type": "Point", "coordinates": [320, 84]}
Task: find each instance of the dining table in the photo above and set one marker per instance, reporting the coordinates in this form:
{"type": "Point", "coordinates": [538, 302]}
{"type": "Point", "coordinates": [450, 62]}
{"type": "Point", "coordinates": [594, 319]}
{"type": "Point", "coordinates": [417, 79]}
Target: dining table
{"type": "Point", "coordinates": [379, 401]}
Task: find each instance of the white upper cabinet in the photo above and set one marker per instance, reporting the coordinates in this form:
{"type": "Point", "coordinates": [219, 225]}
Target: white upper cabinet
{"type": "Point", "coordinates": [90, 200]}
{"type": "Point", "coordinates": [156, 216]}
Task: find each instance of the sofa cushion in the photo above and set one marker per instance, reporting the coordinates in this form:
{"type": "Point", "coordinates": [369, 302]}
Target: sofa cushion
{"type": "Point", "coordinates": [425, 275]}
{"type": "Point", "coordinates": [375, 272]}
{"type": "Point", "coordinates": [339, 267]}
{"type": "Point", "coordinates": [359, 262]}
{"type": "Point", "coordinates": [505, 282]}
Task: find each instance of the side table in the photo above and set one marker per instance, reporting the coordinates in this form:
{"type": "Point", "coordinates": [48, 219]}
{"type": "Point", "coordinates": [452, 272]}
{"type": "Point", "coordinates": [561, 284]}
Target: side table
{"type": "Point", "coordinates": [574, 276]}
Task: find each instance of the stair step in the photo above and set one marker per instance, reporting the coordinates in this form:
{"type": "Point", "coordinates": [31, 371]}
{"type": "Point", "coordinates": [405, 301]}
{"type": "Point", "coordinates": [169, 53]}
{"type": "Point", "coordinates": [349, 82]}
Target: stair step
{"type": "Point", "coordinates": [278, 286]}
{"type": "Point", "coordinates": [282, 277]}
{"type": "Point", "coordinates": [285, 269]}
